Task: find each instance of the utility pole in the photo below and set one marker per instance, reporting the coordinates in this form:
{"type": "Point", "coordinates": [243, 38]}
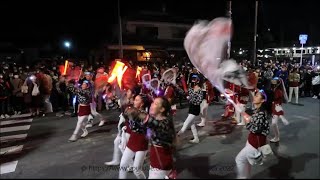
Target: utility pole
{"type": "Point", "coordinates": [229, 13]}
{"type": "Point", "coordinates": [120, 32]}
{"type": "Point", "coordinates": [255, 36]}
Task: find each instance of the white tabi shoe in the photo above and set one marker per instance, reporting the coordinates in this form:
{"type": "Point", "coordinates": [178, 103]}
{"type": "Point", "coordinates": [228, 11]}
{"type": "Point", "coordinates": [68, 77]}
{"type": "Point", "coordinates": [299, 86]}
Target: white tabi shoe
{"type": "Point", "coordinates": [73, 138]}
{"type": "Point", "coordinates": [286, 123]}
{"type": "Point", "coordinates": [112, 163]}
{"type": "Point", "coordinates": [89, 125]}
{"type": "Point", "coordinates": [194, 141]}
{"type": "Point", "coordinates": [85, 133]}
{"type": "Point", "coordinates": [101, 123]}
{"type": "Point", "coordinates": [274, 140]}
{"type": "Point", "coordinates": [201, 125]}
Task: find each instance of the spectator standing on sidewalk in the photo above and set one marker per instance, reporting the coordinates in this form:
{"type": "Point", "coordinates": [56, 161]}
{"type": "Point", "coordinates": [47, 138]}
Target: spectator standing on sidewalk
{"type": "Point", "coordinates": [294, 80]}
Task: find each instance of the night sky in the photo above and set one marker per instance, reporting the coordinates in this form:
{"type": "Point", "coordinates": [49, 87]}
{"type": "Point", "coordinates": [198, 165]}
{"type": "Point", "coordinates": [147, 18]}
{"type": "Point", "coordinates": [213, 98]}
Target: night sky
{"type": "Point", "coordinates": [88, 24]}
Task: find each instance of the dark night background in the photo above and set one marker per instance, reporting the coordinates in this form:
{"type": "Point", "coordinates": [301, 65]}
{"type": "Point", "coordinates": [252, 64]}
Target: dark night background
{"type": "Point", "coordinates": [88, 24]}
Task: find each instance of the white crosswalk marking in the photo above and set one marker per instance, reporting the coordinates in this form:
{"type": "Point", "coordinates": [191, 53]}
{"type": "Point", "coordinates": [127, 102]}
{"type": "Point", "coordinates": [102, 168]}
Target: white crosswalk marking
{"type": "Point", "coordinates": [11, 150]}
{"type": "Point", "coordinates": [2, 123]}
{"type": "Point", "coordinates": [8, 167]}
{"type": "Point", "coordinates": [21, 116]}
{"type": "Point", "coordinates": [12, 133]}
{"type": "Point", "coordinates": [15, 128]}
{"type": "Point", "coordinates": [13, 137]}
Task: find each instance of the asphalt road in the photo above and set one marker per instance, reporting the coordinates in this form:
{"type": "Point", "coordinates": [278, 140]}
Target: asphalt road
{"type": "Point", "coordinates": [46, 152]}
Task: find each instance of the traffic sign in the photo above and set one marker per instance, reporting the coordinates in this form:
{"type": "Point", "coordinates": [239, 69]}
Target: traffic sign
{"type": "Point", "coordinates": [303, 38]}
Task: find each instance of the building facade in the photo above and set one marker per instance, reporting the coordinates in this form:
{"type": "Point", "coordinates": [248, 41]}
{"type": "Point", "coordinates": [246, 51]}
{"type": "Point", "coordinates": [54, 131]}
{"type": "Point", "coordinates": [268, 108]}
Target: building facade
{"type": "Point", "coordinates": [157, 32]}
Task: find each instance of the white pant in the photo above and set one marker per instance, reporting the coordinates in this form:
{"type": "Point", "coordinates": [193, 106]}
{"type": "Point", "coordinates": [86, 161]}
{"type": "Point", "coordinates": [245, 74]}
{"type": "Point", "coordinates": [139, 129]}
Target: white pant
{"type": "Point", "coordinates": [93, 107]}
{"type": "Point", "coordinates": [296, 93]}
{"type": "Point", "coordinates": [244, 160]}
{"type": "Point", "coordinates": [47, 104]}
{"type": "Point", "coordinates": [204, 111]}
{"type": "Point", "coordinates": [81, 124]}
{"type": "Point", "coordinates": [117, 150]}
{"type": "Point", "coordinates": [94, 113]}
{"type": "Point", "coordinates": [155, 173]}
{"type": "Point", "coordinates": [190, 121]}
{"type": "Point", "coordinates": [239, 117]}
{"type": "Point", "coordinates": [127, 156]}
{"type": "Point", "coordinates": [120, 142]}
{"type": "Point", "coordinates": [274, 124]}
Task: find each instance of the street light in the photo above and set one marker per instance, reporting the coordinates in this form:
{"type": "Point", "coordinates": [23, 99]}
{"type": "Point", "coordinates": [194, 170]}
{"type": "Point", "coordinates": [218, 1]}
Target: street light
{"type": "Point", "coordinates": [67, 44]}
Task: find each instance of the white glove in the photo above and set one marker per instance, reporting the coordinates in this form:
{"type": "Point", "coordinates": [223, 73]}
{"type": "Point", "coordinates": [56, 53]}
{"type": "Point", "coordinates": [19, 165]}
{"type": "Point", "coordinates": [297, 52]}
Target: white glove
{"type": "Point", "coordinates": [278, 108]}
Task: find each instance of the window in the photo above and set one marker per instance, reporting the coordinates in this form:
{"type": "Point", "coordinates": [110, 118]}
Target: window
{"type": "Point", "coordinates": [314, 50]}
{"type": "Point", "coordinates": [147, 32]}
{"type": "Point", "coordinates": [179, 32]}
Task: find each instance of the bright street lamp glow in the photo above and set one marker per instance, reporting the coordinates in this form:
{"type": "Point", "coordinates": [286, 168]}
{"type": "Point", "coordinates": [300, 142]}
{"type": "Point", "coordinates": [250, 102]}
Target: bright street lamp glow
{"type": "Point", "coordinates": [67, 44]}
